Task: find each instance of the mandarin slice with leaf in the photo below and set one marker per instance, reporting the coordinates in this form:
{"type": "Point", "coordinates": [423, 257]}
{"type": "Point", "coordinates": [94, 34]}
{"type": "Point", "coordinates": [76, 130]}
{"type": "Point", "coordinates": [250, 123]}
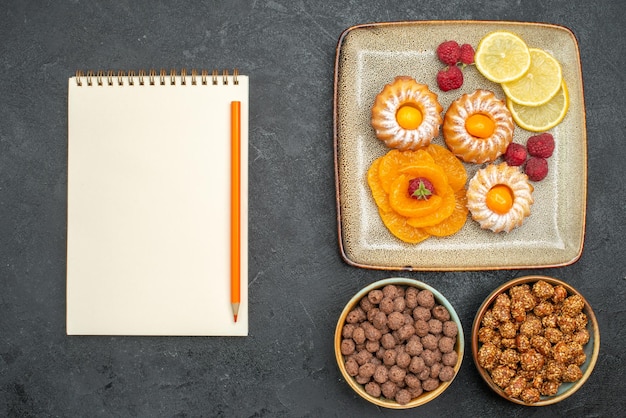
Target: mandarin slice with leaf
{"type": "Point", "coordinates": [431, 172]}
{"type": "Point", "coordinates": [397, 225]}
{"type": "Point", "coordinates": [445, 210]}
{"type": "Point", "coordinates": [408, 206]}
{"type": "Point", "coordinates": [455, 222]}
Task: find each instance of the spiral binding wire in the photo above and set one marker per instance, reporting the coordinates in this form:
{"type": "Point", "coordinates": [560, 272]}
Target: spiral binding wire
{"type": "Point", "coordinates": [131, 78]}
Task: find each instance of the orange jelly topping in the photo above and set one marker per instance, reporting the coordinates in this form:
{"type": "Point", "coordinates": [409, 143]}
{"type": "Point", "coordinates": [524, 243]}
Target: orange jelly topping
{"type": "Point", "coordinates": [479, 125]}
{"type": "Point", "coordinates": [500, 199]}
{"type": "Point", "coordinates": [409, 117]}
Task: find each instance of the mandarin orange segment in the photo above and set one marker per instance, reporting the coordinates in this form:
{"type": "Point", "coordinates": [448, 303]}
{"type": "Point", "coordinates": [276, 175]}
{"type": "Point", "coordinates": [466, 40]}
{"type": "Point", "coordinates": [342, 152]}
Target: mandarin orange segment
{"type": "Point", "coordinates": [380, 196]}
{"type": "Point", "coordinates": [389, 167]}
{"type": "Point", "coordinates": [397, 225]}
{"type": "Point", "coordinates": [455, 222]}
{"type": "Point", "coordinates": [448, 203]}
{"type": "Point", "coordinates": [454, 168]}
{"type": "Point", "coordinates": [393, 162]}
{"type": "Point", "coordinates": [405, 205]}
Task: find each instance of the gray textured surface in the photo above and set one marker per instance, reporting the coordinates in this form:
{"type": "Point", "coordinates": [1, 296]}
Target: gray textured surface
{"type": "Point", "coordinates": [298, 282]}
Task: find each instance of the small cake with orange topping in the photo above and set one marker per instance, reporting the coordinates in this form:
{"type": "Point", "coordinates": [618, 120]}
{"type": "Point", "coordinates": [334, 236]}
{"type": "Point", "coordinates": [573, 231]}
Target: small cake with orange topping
{"type": "Point", "coordinates": [499, 197]}
{"type": "Point", "coordinates": [478, 127]}
{"type": "Point", "coordinates": [406, 115]}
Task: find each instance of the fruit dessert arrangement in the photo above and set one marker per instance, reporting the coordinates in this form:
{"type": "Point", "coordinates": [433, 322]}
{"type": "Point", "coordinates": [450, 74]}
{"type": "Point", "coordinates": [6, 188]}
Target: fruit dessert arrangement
{"type": "Point", "coordinates": [420, 187]}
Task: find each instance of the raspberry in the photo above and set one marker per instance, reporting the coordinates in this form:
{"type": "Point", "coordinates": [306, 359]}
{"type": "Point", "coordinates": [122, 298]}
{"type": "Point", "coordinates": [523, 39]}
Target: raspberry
{"type": "Point", "coordinates": [450, 79]}
{"type": "Point", "coordinates": [515, 154]}
{"type": "Point", "coordinates": [449, 52]}
{"type": "Point", "coordinates": [536, 168]}
{"type": "Point", "coordinates": [467, 54]}
{"type": "Point", "coordinates": [421, 188]}
{"type": "Point", "coordinates": [541, 145]}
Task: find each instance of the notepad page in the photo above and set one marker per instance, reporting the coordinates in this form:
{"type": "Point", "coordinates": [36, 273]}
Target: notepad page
{"type": "Point", "coordinates": [149, 209]}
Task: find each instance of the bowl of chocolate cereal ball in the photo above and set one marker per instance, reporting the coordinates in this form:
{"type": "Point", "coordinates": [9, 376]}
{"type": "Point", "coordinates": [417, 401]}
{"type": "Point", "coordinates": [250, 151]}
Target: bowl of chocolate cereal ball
{"type": "Point", "coordinates": [535, 340]}
{"type": "Point", "coordinates": [399, 343]}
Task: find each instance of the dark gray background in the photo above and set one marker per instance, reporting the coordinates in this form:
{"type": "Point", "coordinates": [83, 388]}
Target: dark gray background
{"type": "Point", "coordinates": [298, 283]}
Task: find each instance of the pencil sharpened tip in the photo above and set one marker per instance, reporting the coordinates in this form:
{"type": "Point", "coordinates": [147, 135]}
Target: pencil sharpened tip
{"type": "Point", "coordinates": [235, 307]}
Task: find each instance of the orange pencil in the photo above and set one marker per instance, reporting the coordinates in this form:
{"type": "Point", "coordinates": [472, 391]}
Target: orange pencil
{"type": "Point", "coordinates": [235, 207]}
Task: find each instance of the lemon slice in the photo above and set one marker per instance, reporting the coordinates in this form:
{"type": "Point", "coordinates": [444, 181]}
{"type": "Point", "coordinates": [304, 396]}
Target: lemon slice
{"type": "Point", "coordinates": [502, 56]}
{"type": "Point", "coordinates": [544, 117]}
{"type": "Point", "coordinates": [540, 83]}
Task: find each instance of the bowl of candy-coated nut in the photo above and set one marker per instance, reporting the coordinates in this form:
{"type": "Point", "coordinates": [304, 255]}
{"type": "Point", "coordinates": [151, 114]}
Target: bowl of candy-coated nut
{"type": "Point", "coordinates": [399, 343]}
{"type": "Point", "coordinates": [535, 340]}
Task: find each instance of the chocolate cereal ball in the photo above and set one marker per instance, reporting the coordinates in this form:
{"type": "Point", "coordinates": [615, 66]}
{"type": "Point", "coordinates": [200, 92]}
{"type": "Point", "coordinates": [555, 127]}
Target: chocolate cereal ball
{"type": "Point", "coordinates": [358, 335]}
{"type": "Point", "coordinates": [395, 320]}
{"type": "Point", "coordinates": [372, 334]}
{"type": "Point", "coordinates": [373, 389]}
{"type": "Point", "coordinates": [386, 305]}
{"type": "Point", "coordinates": [417, 365]}
{"type": "Point", "coordinates": [397, 374]}
{"type": "Point", "coordinates": [381, 374]}
{"type": "Point", "coordinates": [435, 326]}
{"type": "Point", "coordinates": [430, 384]}
{"type": "Point", "coordinates": [435, 369]}
{"type": "Point", "coordinates": [375, 296]}
{"type": "Point", "coordinates": [450, 359]}
{"type": "Point", "coordinates": [421, 328]}
{"type": "Point", "coordinates": [446, 374]}
{"type": "Point", "coordinates": [411, 297]}
{"type": "Point", "coordinates": [389, 357]}
{"type": "Point", "coordinates": [389, 389]}
{"type": "Point", "coordinates": [356, 315]}
{"type": "Point", "coordinates": [421, 313]}
{"type": "Point", "coordinates": [405, 332]}
{"type": "Point", "coordinates": [388, 341]}
{"type": "Point", "coordinates": [430, 357]}
{"type": "Point", "coordinates": [366, 304]}
{"type": "Point", "coordinates": [372, 346]}
{"type": "Point", "coordinates": [347, 347]}
{"type": "Point", "coordinates": [379, 320]}
{"type": "Point", "coordinates": [403, 360]}
{"type": "Point", "coordinates": [399, 304]}
{"type": "Point", "coordinates": [414, 346]}
{"type": "Point", "coordinates": [363, 356]}
{"type": "Point", "coordinates": [430, 342]}
{"type": "Point", "coordinates": [367, 370]}
{"type": "Point", "coordinates": [403, 397]}
{"type": "Point", "coordinates": [361, 380]}
{"type": "Point", "coordinates": [426, 298]}
{"type": "Point", "coordinates": [390, 291]}
{"type": "Point", "coordinates": [352, 367]}
{"type": "Point", "coordinates": [441, 313]}
{"type": "Point", "coordinates": [450, 329]}
{"type": "Point", "coordinates": [446, 344]}
{"type": "Point", "coordinates": [347, 330]}
{"type": "Point", "coordinates": [412, 381]}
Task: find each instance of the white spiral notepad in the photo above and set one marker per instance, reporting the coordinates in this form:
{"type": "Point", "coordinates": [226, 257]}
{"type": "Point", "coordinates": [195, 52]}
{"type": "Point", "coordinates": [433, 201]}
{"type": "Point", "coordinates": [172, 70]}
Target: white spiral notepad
{"type": "Point", "coordinates": [148, 232]}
